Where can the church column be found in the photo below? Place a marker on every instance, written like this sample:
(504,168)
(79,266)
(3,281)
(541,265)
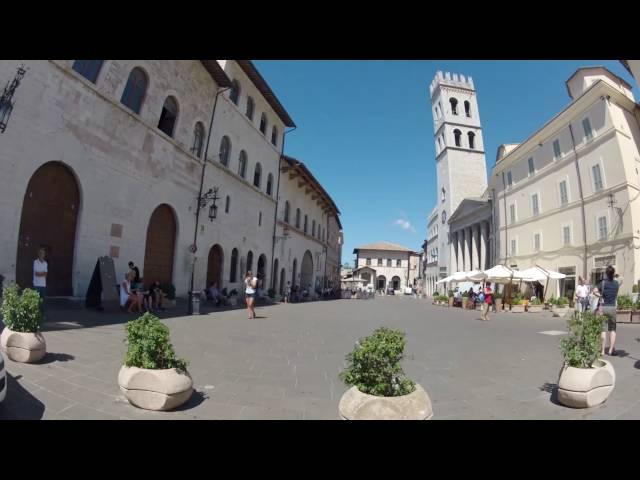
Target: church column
(460,264)
(454,252)
(483,246)
(469,263)
(478,246)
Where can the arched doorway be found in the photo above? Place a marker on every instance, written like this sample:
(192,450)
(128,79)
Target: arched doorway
(160,246)
(282,280)
(294,272)
(262,270)
(275,275)
(49,219)
(215,266)
(382,282)
(249,266)
(395,282)
(306,270)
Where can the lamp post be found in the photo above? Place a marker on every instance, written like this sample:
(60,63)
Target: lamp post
(6,99)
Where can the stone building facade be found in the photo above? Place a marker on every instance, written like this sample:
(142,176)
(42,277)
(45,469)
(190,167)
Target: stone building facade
(106,158)
(393,265)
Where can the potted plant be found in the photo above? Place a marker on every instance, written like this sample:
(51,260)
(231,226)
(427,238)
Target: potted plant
(623,310)
(465,300)
(517,304)
(152,377)
(169,291)
(559,306)
(634,293)
(435,297)
(635,313)
(497,298)
(535,306)
(585,380)
(21,338)
(450,298)
(379,388)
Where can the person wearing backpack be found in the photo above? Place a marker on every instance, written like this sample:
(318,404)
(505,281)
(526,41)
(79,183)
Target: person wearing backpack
(609,291)
(487,301)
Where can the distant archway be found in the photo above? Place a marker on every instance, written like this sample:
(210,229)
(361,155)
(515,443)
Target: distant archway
(306,270)
(283,274)
(262,270)
(160,246)
(382,282)
(215,266)
(395,281)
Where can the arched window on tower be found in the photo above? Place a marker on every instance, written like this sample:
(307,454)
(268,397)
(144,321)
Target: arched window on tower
(454,105)
(286,211)
(234,94)
(444,196)
(467,108)
(457,134)
(439,144)
(472,137)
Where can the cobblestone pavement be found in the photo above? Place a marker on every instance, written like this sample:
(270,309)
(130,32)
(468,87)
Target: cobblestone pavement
(285,364)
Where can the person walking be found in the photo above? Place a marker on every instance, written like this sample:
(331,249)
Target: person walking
(594,301)
(250,285)
(581,297)
(40,270)
(609,289)
(287,292)
(487,301)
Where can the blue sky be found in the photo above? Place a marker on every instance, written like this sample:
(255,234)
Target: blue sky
(365,129)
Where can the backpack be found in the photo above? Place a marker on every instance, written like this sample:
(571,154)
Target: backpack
(481,297)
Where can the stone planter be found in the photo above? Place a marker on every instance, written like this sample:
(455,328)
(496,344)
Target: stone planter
(451,301)
(24,347)
(355,405)
(635,316)
(498,302)
(517,308)
(155,389)
(465,301)
(586,387)
(559,311)
(623,316)
(166,303)
(534,308)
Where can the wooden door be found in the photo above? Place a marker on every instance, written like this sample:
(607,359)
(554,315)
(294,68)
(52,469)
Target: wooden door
(160,246)
(214,266)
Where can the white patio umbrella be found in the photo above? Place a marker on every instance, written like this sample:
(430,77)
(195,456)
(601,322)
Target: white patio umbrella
(538,273)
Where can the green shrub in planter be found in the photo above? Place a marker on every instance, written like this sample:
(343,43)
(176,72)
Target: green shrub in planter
(497,295)
(224,292)
(233,293)
(536,301)
(436,294)
(21,312)
(465,295)
(148,345)
(374,365)
(634,289)
(169,290)
(451,293)
(625,302)
(271,293)
(582,347)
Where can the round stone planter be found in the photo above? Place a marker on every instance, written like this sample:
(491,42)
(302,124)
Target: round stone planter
(534,308)
(517,308)
(586,387)
(24,347)
(559,311)
(155,389)
(355,405)
(498,304)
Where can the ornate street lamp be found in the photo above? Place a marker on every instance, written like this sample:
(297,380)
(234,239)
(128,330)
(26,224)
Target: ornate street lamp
(6,99)
(210,196)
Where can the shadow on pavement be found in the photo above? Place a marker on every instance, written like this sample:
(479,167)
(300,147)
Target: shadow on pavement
(19,404)
(196,399)
(551,388)
(56,357)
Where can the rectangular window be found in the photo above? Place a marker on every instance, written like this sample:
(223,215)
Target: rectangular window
(602,228)
(509,179)
(399,262)
(532,168)
(368,261)
(556,149)
(512,212)
(513,247)
(536,242)
(379,262)
(586,124)
(535,208)
(388,262)
(597,178)
(260,219)
(89,69)
(566,235)
(564,194)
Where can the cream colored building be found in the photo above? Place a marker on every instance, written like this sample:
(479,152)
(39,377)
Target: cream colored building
(105,157)
(392,265)
(633,67)
(567,198)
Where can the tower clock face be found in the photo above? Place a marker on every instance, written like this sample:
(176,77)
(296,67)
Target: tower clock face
(444,217)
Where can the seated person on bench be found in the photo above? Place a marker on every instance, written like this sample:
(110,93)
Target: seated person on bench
(213,293)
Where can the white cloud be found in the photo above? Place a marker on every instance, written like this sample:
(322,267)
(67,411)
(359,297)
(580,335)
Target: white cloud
(405,225)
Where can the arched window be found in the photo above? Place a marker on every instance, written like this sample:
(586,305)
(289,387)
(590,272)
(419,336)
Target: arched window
(439,143)
(198,140)
(467,108)
(269,184)
(89,69)
(225,150)
(456,134)
(306,223)
(286,211)
(274,136)
(234,94)
(263,124)
(257,175)
(242,164)
(437,113)
(135,90)
(260,219)
(313,228)
(227,204)
(454,105)
(472,137)
(234,265)
(444,195)
(250,108)
(297,218)
(169,116)
(249,262)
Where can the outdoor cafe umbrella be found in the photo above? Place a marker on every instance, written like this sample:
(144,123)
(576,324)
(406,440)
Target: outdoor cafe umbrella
(539,273)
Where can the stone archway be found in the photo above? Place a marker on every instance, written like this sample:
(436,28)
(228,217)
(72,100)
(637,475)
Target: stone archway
(275,276)
(261,271)
(395,282)
(160,246)
(382,282)
(283,274)
(215,266)
(49,220)
(294,272)
(306,270)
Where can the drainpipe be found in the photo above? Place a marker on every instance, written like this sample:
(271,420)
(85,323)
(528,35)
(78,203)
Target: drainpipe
(506,224)
(204,165)
(275,215)
(584,219)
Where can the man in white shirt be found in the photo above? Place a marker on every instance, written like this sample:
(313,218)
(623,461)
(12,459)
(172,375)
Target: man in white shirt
(582,296)
(40,270)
